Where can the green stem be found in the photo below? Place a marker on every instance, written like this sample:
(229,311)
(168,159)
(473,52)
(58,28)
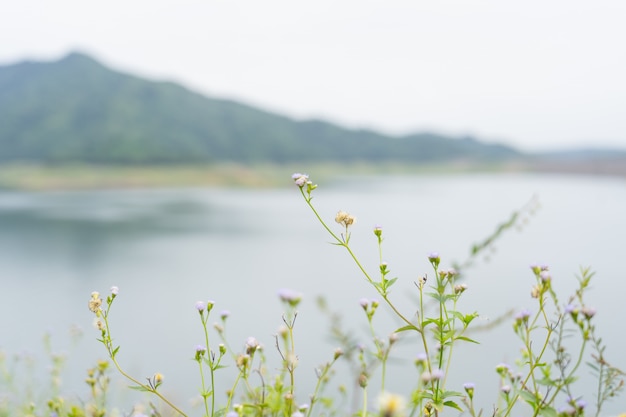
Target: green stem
(109,346)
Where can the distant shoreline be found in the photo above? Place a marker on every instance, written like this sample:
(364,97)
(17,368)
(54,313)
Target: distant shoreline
(82,176)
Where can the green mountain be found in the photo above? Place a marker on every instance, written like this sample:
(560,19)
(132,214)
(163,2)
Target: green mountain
(77,110)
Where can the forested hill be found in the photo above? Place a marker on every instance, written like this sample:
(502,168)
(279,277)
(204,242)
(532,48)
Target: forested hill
(77,110)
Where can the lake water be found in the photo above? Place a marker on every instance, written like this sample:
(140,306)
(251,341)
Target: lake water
(167,249)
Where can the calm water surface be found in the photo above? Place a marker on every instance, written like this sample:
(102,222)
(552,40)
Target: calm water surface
(166,249)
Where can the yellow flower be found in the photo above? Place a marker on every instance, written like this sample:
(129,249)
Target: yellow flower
(391,405)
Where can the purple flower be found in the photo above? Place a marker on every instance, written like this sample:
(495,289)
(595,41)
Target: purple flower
(522,315)
(200,306)
(252,344)
(300,179)
(570,308)
(290,297)
(364,302)
(589,312)
(437,374)
(224,314)
(433,256)
(114,290)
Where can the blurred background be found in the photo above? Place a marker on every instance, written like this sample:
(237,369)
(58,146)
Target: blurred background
(151,146)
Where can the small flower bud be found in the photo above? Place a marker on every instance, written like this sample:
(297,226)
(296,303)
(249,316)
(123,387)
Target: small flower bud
(338,353)
(460,288)
(535,291)
(469,388)
(434,259)
(251,345)
(290,297)
(200,351)
(363,380)
(588,312)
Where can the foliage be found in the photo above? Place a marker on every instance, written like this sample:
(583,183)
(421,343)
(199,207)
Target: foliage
(540,383)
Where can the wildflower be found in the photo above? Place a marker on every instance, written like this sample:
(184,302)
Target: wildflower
(421,281)
(243,361)
(421,359)
(426,377)
(95,303)
(391,404)
(98,324)
(283,332)
(364,302)
(363,380)
(300,179)
(344,218)
(535,291)
(224,314)
(200,351)
(252,345)
(114,291)
(545,276)
(434,259)
(200,306)
(437,374)
(290,297)
(222,348)
(589,312)
(157,379)
(505,389)
(218,327)
(338,353)
(393,338)
(460,288)
(503,369)
(522,315)
(469,388)
(378,230)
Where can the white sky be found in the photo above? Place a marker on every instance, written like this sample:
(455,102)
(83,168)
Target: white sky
(537,74)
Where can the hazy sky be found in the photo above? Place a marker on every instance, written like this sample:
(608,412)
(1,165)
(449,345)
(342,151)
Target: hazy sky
(536,74)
